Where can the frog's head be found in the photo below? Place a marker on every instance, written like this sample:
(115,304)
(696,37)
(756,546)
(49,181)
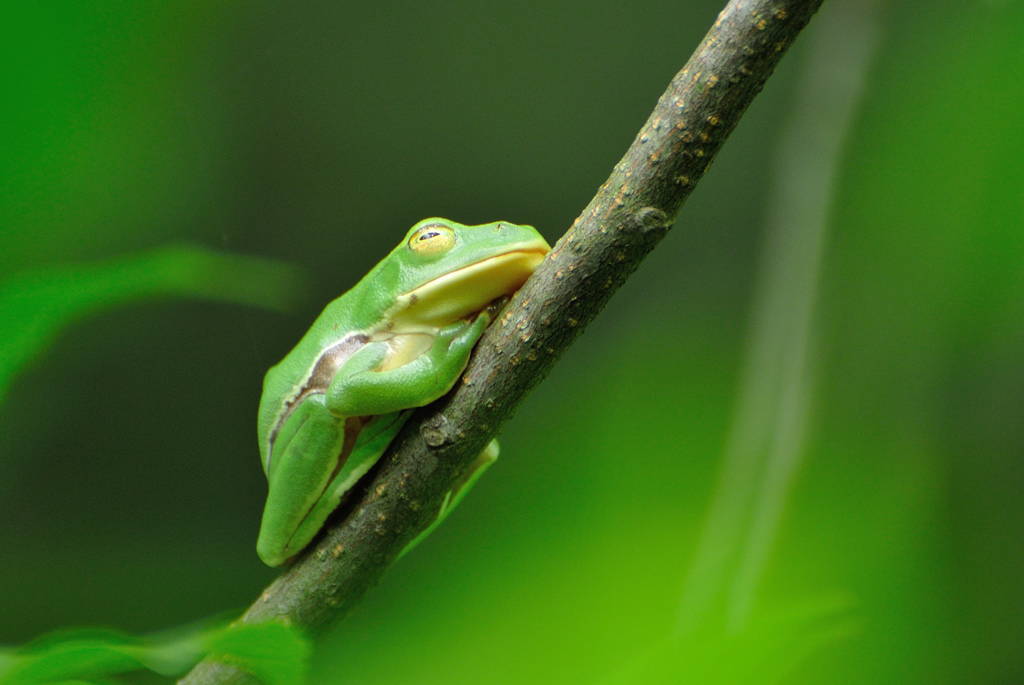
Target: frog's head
(444,271)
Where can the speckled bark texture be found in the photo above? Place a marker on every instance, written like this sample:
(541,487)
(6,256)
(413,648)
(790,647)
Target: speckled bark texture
(627,218)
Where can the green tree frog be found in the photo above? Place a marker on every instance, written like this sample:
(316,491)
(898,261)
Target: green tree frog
(397,340)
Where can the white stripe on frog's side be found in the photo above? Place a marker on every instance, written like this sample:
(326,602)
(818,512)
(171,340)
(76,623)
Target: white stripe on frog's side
(317,380)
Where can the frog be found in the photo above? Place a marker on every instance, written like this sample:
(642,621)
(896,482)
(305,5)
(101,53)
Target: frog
(397,340)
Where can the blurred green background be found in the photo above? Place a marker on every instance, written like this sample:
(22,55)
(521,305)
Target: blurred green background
(306,137)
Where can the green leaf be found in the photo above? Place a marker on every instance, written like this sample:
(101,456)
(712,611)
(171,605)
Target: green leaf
(272,652)
(36,305)
(72,655)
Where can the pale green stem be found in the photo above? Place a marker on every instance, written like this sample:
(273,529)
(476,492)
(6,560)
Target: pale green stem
(767,434)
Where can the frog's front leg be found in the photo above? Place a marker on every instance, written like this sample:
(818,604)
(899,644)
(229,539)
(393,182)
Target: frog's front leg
(459,490)
(359,389)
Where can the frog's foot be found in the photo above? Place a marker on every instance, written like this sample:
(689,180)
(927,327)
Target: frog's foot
(462,486)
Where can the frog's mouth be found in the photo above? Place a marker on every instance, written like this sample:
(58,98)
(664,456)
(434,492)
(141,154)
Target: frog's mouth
(466,291)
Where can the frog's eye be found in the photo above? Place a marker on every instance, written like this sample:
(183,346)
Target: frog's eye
(432,240)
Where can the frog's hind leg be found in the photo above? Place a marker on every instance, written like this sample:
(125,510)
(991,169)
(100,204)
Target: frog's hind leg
(462,486)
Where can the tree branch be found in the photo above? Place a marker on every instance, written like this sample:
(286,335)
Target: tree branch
(627,218)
